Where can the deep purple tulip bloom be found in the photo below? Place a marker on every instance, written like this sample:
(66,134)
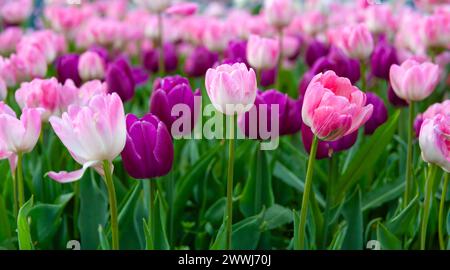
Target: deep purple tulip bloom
(171,91)
(236,52)
(151,58)
(288,119)
(383,57)
(394,99)
(120,78)
(67,68)
(140,76)
(327,149)
(315,50)
(200,60)
(379,115)
(418,124)
(268,77)
(148,151)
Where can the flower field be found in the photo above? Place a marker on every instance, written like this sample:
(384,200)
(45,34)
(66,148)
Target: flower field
(228,125)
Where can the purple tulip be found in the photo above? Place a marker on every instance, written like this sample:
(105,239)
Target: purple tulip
(151,58)
(268,77)
(148,151)
(140,76)
(394,99)
(200,60)
(120,79)
(316,50)
(379,115)
(67,68)
(327,149)
(418,124)
(171,91)
(383,57)
(102,52)
(288,120)
(236,52)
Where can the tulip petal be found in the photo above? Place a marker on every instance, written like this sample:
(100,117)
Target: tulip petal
(68,177)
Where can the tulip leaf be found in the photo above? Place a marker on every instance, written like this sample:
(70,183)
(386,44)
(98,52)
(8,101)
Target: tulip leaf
(402,223)
(353,215)
(5,228)
(258,191)
(296,217)
(386,192)
(23,227)
(158,241)
(221,238)
(366,156)
(277,216)
(387,239)
(215,213)
(104,243)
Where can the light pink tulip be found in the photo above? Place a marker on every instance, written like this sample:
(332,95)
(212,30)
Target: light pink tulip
(92,134)
(333,107)
(434,140)
(17,11)
(279,13)
(3,89)
(379,18)
(156,6)
(262,53)
(216,35)
(356,41)
(313,22)
(436,30)
(91,66)
(18,135)
(231,88)
(413,81)
(182,9)
(9,39)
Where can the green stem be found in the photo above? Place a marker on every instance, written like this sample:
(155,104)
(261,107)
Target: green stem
(76,208)
(441,213)
(170,193)
(161,45)
(305,199)
(329,200)
(363,76)
(20,184)
(151,207)
(112,204)
(258,76)
(16,203)
(408,173)
(280,59)
(427,204)
(230,183)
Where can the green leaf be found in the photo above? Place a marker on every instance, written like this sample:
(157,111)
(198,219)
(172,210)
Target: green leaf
(353,215)
(104,243)
(296,224)
(277,216)
(5,228)
(367,155)
(93,211)
(215,213)
(148,236)
(258,191)
(448,222)
(221,238)
(186,184)
(387,239)
(159,240)
(246,233)
(384,193)
(23,228)
(402,223)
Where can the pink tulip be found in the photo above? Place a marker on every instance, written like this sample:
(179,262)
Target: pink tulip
(262,53)
(9,39)
(3,89)
(92,134)
(333,107)
(17,11)
(231,88)
(434,140)
(356,41)
(379,18)
(156,6)
(216,35)
(413,81)
(432,111)
(91,66)
(18,136)
(279,13)
(183,9)
(436,30)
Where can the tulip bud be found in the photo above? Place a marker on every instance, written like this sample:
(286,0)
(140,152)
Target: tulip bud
(91,66)
(383,57)
(120,80)
(149,149)
(67,68)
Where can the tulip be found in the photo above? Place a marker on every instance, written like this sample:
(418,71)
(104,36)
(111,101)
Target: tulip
(120,80)
(383,57)
(199,61)
(316,49)
(268,77)
(232,90)
(182,9)
(216,35)
(288,110)
(18,137)
(95,135)
(394,99)
(262,53)
(413,81)
(379,115)
(16,12)
(434,141)
(327,149)
(356,41)
(9,39)
(169,92)
(151,58)
(91,66)
(332,108)
(156,6)
(436,31)
(432,111)
(3,90)
(279,13)
(67,68)
(236,52)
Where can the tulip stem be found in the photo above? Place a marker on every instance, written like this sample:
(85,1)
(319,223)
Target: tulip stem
(441,213)
(307,190)
(230,183)
(20,184)
(112,204)
(427,203)
(161,45)
(151,208)
(280,59)
(408,173)
(16,203)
